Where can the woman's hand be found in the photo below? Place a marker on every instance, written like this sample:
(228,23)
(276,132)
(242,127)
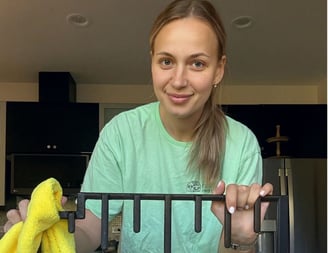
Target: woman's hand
(240,200)
(16,215)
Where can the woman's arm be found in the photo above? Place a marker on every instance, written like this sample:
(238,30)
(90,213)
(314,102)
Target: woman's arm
(222,249)
(87,233)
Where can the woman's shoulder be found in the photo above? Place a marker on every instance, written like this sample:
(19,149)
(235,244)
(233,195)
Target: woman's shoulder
(238,130)
(134,116)
(140,113)
(235,125)
(241,142)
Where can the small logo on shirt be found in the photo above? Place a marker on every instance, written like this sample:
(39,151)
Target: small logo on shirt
(194,186)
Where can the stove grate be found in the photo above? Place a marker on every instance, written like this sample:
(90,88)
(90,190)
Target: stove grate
(282,245)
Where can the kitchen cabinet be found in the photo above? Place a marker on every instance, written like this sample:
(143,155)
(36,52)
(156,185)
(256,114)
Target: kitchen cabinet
(304,125)
(65,128)
(28,170)
(48,140)
(2,152)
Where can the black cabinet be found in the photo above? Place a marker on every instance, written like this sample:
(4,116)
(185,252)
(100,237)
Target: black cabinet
(304,125)
(28,170)
(65,128)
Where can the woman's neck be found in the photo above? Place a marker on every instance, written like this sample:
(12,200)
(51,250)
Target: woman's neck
(181,129)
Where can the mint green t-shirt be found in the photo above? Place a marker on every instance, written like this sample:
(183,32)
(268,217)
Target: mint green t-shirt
(135,154)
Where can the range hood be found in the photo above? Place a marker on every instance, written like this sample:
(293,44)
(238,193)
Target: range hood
(57,87)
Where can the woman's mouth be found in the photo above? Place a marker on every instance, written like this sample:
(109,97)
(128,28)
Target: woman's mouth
(179,98)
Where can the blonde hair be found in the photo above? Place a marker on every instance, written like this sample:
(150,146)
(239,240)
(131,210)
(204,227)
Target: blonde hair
(207,150)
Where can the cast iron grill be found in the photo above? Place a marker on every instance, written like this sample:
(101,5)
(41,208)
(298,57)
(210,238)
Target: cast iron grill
(281,211)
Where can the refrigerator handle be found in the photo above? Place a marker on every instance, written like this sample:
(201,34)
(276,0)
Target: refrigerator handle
(289,176)
(282,177)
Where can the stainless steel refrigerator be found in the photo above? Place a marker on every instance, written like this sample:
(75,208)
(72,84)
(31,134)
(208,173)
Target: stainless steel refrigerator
(305,183)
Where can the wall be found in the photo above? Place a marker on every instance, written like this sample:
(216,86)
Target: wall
(230,94)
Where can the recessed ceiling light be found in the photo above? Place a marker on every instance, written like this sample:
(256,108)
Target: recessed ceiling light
(77,19)
(242,22)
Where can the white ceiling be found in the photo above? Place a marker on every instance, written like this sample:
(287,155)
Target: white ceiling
(286,44)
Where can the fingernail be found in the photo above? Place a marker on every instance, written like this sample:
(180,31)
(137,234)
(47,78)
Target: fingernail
(219,183)
(231,210)
(262,193)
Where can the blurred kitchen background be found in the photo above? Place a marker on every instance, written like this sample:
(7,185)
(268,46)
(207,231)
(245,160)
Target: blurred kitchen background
(66,68)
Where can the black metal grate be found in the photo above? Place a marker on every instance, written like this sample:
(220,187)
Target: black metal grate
(282,245)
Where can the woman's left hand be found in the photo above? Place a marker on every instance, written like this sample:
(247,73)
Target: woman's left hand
(240,200)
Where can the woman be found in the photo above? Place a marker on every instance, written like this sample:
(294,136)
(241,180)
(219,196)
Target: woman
(181,144)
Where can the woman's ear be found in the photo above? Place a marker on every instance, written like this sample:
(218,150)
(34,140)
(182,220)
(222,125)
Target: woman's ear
(220,70)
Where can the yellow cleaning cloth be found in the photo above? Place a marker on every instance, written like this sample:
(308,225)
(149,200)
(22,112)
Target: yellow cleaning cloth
(42,225)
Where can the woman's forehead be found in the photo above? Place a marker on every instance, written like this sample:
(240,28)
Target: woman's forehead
(187,33)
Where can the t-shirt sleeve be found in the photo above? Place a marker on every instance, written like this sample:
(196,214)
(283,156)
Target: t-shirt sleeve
(243,161)
(104,172)
(250,168)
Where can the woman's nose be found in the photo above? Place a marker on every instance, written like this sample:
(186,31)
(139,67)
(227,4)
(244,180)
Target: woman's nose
(179,79)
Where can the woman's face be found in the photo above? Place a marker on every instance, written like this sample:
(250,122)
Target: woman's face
(185,67)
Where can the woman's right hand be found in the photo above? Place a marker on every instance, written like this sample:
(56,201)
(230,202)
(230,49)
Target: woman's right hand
(16,215)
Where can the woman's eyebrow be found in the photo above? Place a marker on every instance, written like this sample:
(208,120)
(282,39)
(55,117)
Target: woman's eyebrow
(199,54)
(191,56)
(164,53)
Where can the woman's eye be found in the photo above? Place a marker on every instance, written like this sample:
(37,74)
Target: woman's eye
(198,64)
(166,62)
